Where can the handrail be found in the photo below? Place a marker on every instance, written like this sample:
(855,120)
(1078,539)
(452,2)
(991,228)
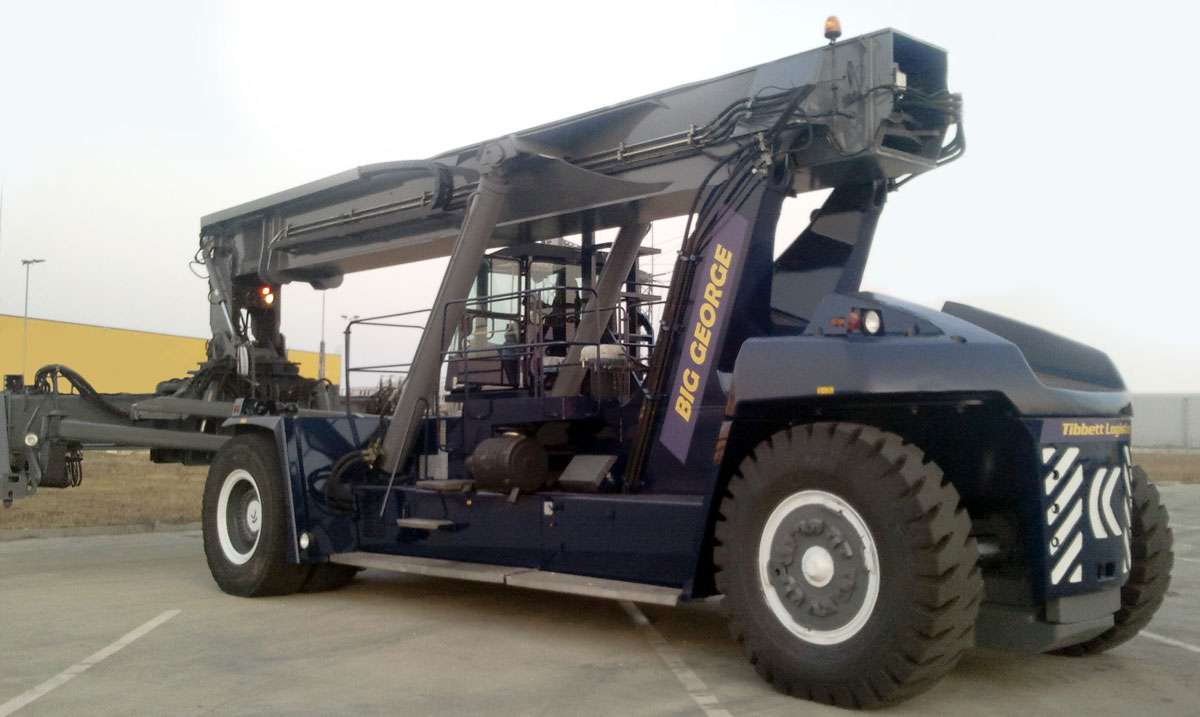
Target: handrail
(530,355)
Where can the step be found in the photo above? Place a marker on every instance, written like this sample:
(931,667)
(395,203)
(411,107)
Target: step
(586,472)
(594,587)
(424,523)
(513,576)
(426,566)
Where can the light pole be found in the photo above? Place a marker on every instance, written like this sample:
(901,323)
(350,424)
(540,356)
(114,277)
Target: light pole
(25,328)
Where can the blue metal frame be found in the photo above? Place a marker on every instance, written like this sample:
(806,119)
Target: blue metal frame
(655,531)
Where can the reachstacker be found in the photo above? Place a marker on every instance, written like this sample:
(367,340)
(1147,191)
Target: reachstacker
(871,485)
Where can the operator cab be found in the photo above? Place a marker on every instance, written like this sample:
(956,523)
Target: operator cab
(519,324)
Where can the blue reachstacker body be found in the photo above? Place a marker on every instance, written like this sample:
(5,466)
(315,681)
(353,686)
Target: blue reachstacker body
(872,486)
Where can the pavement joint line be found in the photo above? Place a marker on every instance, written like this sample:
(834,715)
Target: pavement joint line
(83,665)
(1187,560)
(1170,641)
(1175,526)
(699,692)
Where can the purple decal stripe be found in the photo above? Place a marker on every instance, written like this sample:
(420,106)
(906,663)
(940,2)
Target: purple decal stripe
(713,291)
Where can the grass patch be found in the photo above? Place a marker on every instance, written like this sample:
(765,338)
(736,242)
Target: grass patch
(119,488)
(1165,467)
(125,488)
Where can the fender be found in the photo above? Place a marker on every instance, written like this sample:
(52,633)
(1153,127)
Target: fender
(308,446)
(274,425)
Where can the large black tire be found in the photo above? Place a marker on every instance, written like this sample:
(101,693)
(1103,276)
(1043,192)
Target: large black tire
(245,521)
(846,565)
(1151,560)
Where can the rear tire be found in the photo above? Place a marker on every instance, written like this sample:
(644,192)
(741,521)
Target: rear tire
(846,565)
(244,518)
(1150,543)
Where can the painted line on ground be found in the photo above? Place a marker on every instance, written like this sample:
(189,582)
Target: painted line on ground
(1170,641)
(1187,560)
(1175,526)
(82,666)
(699,692)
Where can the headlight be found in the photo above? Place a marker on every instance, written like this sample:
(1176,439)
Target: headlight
(872,322)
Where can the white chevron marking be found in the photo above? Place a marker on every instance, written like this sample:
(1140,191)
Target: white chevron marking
(1061,468)
(1060,568)
(1110,485)
(1064,497)
(1068,525)
(1094,505)
(1127,507)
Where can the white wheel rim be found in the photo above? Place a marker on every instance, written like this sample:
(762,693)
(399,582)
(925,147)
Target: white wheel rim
(816,565)
(239,516)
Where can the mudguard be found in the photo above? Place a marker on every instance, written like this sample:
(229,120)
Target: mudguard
(274,426)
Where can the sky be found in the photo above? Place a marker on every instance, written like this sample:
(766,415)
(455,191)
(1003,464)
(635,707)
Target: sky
(122,123)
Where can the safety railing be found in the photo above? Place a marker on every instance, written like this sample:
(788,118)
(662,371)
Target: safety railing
(398,369)
(522,349)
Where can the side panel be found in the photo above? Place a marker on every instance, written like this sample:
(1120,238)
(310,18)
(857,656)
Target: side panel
(481,527)
(639,538)
(645,538)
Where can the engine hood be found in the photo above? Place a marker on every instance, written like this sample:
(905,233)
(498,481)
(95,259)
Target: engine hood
(920,350)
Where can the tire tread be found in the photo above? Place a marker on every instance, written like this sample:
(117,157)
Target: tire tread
(1151,542)
(268,572)
(942,619)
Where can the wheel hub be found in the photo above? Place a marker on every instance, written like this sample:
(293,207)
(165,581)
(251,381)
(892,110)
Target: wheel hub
(254,516)
(239,516)
(819,567)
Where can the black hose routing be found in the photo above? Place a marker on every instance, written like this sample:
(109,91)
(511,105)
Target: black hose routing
(45,382)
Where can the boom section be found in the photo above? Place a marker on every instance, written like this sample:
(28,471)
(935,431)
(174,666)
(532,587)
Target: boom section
(871,107)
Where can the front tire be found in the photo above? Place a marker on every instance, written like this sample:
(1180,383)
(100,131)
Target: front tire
(244,518)
(1151,558)
(846,565)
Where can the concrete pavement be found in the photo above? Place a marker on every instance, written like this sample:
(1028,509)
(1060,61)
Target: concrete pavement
(390,644)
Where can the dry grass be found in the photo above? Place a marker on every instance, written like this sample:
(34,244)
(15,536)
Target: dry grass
(119,488)
(1166,468)
(125,488)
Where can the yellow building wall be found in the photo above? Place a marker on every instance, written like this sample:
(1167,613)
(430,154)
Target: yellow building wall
(118,360)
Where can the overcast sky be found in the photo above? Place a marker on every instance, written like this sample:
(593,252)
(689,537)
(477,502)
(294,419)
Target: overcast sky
(121,123)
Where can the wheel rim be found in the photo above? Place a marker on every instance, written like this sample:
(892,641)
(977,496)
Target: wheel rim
(239,516)
(818,567)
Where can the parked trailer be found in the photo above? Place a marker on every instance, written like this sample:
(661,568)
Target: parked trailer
(871,485)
